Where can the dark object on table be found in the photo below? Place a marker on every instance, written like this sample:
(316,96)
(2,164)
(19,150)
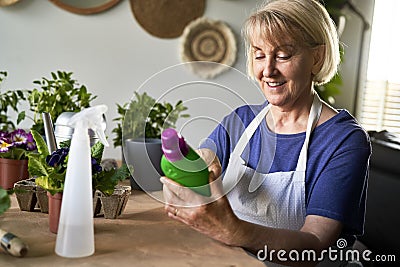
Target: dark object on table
(382,231)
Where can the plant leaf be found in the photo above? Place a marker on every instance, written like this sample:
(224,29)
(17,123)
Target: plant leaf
(40,143)
(97,151)
(19,153)
(21,117)
(107,180)
(46,183)
(35,166)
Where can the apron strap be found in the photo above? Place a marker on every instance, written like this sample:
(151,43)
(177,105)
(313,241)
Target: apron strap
(231,178)
(313,118)
(251,128)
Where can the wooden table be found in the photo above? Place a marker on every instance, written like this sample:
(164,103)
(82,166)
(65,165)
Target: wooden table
(142,236)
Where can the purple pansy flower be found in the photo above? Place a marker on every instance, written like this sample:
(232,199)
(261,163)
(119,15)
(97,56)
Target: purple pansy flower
(30,142)
(3,134)
(5,145)
(95,166)
(57,157)
(19,137)
(16,144)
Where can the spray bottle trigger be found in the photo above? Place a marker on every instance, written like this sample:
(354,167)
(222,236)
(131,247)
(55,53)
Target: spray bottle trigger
(102,137)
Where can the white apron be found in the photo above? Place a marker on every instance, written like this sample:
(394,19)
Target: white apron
(274,199)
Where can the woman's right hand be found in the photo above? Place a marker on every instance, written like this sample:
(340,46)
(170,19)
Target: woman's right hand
(211,160)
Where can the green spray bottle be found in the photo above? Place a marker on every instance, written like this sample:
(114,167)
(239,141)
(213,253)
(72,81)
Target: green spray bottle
(182,164)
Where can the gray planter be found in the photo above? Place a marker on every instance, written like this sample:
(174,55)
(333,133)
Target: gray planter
(144,157)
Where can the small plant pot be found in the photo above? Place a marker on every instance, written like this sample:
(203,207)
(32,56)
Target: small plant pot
(12,171)
(114,205)
(25,191)
(97,210)
(54,211)
(43,200)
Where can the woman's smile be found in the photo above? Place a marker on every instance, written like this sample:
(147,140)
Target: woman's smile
(275,84)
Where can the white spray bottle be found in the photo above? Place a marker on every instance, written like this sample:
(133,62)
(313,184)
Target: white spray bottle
(75,236)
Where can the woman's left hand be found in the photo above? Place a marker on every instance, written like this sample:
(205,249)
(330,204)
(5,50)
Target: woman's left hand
(212,216)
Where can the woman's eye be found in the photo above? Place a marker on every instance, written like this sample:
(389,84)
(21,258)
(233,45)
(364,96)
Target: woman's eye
(282,57)
(258,55)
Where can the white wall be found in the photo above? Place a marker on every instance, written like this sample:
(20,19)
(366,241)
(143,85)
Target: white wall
(112,55)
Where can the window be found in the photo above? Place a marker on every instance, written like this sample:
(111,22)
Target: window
(380,108)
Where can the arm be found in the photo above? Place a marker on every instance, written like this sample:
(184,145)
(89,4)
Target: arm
(317,234)
(215,218)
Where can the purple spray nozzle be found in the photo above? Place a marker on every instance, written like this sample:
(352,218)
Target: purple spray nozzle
(173,146)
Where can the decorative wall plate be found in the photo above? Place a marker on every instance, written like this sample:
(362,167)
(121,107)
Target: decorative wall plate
(206,40)
(7,2)
(85,7)
(166,18)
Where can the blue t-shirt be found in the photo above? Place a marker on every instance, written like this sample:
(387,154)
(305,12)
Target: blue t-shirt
(337,164)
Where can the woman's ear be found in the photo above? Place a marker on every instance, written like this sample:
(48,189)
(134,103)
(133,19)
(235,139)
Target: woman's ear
(319,57)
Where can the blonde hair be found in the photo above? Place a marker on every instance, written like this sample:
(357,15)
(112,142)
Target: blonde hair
(304,21)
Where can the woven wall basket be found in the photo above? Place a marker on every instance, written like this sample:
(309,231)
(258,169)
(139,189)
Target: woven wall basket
(166,18)
(7,2)
(206,40)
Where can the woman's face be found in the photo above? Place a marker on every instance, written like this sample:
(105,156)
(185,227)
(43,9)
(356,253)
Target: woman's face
(284,71)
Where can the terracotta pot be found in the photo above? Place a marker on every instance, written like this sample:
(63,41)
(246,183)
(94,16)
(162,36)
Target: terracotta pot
(54,211)
(12,171)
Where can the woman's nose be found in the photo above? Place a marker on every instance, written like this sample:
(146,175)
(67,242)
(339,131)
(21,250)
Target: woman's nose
(269,67)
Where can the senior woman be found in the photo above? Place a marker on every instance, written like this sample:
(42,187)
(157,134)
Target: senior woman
(294,169)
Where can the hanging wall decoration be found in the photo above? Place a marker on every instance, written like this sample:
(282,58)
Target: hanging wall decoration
(7,2)
(166,18)
(86,7)
(205,40)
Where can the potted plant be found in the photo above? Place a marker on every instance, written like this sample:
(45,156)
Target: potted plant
(50,170)
(15,144)
(58,94)
(10,99)
(15,147)
(139,128)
